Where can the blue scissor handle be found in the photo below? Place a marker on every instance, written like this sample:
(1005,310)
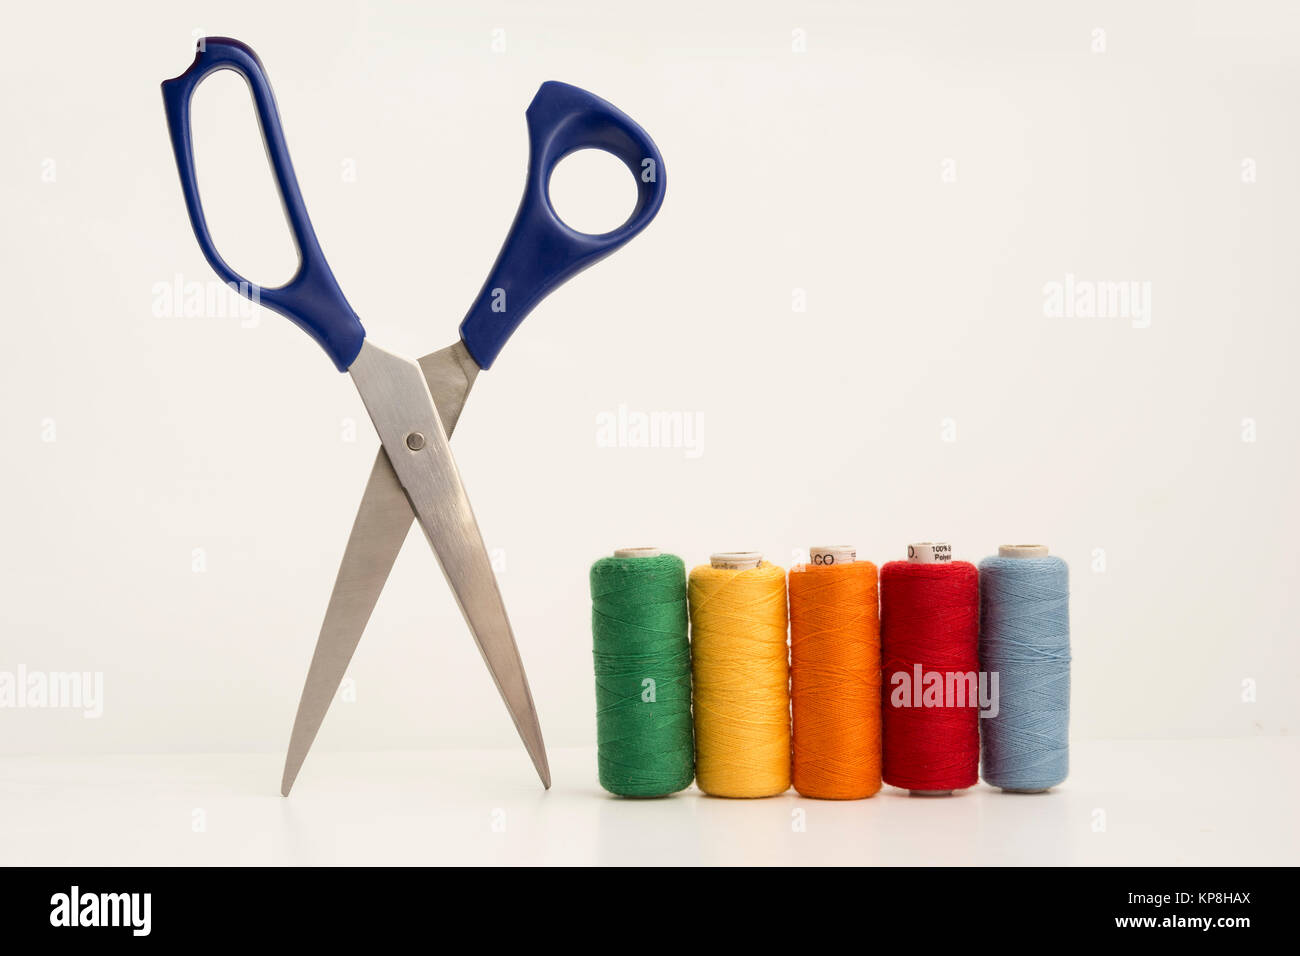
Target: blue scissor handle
(312,299)
(541,252)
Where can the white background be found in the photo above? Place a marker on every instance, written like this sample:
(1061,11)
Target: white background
(823,171)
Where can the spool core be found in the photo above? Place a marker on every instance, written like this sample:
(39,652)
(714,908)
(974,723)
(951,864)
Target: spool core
(637,553)
(830,554)
(1023,551)
(736,560)
(929,552)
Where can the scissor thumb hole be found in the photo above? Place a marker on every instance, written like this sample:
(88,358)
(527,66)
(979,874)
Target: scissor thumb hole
(593,191)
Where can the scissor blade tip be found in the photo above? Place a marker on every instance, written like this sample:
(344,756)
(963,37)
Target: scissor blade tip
(543,768)
(288,780)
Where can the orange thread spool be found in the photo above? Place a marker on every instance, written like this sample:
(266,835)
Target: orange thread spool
(835,675)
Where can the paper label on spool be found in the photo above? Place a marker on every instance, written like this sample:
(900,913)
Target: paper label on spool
(930,552)
(736,560)
(829,554)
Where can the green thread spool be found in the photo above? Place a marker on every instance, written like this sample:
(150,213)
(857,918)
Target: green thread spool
(645,737)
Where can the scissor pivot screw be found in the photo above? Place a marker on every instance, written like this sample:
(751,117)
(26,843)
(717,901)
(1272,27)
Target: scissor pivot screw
(415,441)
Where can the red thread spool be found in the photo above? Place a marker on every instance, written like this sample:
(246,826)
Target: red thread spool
(930,626)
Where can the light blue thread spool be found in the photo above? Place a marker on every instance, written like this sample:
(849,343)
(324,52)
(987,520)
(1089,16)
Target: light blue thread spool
(1025,639)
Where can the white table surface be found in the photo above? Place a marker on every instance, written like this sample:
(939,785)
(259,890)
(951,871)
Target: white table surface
(1164,802)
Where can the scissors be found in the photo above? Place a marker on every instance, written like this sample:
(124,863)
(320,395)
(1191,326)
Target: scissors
(414,406)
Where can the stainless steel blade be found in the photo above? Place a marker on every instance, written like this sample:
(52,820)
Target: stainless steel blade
(378,532)
(380,528)
(450,374)
(402,410)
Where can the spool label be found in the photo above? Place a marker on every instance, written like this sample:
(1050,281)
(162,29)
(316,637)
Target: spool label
(832,556)
(930,552)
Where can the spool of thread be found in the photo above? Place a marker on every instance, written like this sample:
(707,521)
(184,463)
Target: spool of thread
(1025,639)
(740,665)
(645,746)
(929,606)
(835,675)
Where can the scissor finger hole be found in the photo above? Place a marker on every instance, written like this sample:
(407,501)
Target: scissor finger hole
(241,201)
(592,191)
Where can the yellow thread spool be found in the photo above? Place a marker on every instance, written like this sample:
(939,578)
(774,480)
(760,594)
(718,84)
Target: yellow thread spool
(741,676)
